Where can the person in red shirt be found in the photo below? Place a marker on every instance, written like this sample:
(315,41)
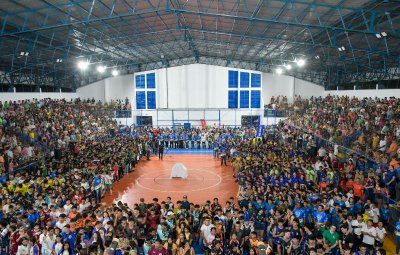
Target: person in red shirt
(153,219)
(158,249)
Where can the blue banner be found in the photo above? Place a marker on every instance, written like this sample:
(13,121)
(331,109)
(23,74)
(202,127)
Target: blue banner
(260,130)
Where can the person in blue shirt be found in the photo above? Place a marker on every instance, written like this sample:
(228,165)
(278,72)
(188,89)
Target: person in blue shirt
(299,213)
(32,216)
(397,234)
(68,237)
(320,217)
(98,188)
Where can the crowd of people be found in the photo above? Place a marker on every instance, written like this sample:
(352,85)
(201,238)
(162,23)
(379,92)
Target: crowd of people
(370,126)
(292,200)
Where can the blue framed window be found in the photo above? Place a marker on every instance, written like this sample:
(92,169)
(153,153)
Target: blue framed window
(151,80)
(255,99)
(244,99)
(232,79)
(255,80)
(233,99)
(140,82)
(244,79)
(140,100)
(151,100)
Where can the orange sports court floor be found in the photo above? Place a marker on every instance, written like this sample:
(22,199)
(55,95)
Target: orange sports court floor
(206,180)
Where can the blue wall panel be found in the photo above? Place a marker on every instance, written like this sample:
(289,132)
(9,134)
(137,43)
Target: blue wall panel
(256,99)
(244,79)
(140,83)
(244,99)
(140,100)
(151,100)
(151,80)
(232,99)
(255,80)
(232,79)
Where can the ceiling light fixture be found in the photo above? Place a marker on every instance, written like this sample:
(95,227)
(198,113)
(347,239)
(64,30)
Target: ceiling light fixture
(115,72)
(301,62)
(288,66)
(342,48)
(101,69)
(317,57)
(279,70)
(83,65)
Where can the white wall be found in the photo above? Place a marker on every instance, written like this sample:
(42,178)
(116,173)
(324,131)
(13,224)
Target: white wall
(119,87)
(197,86)
(381,93)
(192,86)
(276,85)
(95,90)
(37,95)
(307,89)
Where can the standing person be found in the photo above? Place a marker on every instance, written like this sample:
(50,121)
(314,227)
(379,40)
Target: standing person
(223,155)
(206,233)
(161,152)
(98,188)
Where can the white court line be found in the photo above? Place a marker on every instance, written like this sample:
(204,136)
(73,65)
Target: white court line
(197,179)
(185,191)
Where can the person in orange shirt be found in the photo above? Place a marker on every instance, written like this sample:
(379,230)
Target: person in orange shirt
(393,148)
(394,163)
(358,188)
(323,185)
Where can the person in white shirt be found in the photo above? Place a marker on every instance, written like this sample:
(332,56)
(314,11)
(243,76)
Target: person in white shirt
(369,234)
(380,235)
(62,221)
(373,213)
(47,239)
(321,152)
(358,225)
(206,230)
(23,248)
(67,207)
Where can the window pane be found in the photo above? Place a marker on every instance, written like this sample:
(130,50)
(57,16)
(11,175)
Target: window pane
(140,100)
(244,79)
(256,99)
(151,80)
(140,81)
(244,99)
(232,79)
(232,99)
(151,100)
(255,80)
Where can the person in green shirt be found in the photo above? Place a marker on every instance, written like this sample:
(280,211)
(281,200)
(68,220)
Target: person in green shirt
(331,236)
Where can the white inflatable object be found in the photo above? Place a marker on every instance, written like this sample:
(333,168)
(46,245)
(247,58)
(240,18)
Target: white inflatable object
(179,171)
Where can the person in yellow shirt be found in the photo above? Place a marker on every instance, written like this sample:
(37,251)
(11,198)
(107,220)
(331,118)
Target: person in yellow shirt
(25,187)
(375,141)
(19,189)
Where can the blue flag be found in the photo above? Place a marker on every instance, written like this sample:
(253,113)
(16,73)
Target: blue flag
(260,130)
